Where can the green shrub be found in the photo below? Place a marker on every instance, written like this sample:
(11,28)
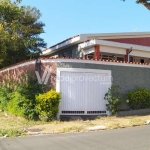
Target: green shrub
(48,105)
(29,92)
(14,104)
(20,99)
(113,98)
(139,99)
(4,98)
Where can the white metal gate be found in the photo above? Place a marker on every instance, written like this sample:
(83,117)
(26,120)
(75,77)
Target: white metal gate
(83,90)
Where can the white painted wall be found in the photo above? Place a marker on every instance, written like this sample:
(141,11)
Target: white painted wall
(89,51)
(140,53)
(115,50)
(106,49)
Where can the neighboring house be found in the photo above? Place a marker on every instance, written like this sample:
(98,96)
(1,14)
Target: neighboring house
(87,65)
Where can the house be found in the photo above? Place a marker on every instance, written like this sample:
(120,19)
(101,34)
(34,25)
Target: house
(85,66)
(123,56)
(128,47)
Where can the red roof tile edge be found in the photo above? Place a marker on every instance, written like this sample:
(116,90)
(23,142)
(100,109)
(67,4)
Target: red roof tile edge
(65,58)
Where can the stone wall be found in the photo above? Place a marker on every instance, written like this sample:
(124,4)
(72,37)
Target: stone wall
(18,71)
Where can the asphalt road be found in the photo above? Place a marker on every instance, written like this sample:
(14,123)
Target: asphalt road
(136,138)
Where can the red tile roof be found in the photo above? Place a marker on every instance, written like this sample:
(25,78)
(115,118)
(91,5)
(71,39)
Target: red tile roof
(137,41)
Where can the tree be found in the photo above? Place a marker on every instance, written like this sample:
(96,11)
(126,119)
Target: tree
(20,31)
(146,3)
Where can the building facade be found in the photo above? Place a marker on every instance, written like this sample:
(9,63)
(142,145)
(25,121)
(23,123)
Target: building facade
(128,47)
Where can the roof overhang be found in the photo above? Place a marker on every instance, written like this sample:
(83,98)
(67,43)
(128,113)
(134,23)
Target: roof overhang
(94,42)
(118,35)
(64,44)
(84,37)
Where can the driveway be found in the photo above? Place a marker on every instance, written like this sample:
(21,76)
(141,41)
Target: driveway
(135,138)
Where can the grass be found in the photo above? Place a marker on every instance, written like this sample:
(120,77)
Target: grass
(11,132)
(14,126)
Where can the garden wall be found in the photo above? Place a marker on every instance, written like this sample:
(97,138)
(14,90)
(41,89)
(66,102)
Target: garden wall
(17,72)
(127,76)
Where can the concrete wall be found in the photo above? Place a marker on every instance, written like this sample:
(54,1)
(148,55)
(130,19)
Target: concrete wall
(134,112)
(128,78)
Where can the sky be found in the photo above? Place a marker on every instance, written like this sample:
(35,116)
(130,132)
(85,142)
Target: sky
(66,18)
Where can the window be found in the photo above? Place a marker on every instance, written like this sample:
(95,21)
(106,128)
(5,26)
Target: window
(120,58)
(104,57)
(90,56)
(142,60)
(112,57)
(108,57)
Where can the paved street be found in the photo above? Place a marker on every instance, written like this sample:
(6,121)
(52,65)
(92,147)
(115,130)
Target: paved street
(136,138)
